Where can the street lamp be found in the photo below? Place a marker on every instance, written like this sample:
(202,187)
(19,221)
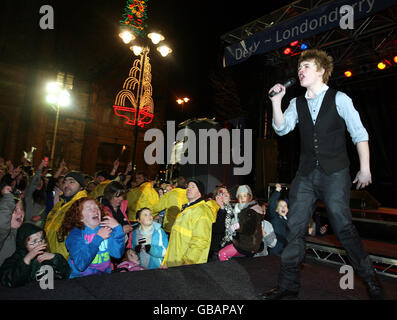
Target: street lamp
(142,77)
(182,101)
(58,98)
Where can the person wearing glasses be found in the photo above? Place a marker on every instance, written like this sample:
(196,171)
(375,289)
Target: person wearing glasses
(31,254)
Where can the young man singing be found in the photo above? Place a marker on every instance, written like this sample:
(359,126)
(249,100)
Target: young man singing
(323,115)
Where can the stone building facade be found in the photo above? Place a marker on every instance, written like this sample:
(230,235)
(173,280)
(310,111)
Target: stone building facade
(89,136)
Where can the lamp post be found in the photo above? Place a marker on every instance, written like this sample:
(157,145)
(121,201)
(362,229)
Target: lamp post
(182,101)
(143,77)
(58,98)
(143,57)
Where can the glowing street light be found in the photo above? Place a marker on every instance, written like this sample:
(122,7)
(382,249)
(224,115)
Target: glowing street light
(182,101)
(155,37)
(164,50)
(137,50)
(126,36)
(60,98)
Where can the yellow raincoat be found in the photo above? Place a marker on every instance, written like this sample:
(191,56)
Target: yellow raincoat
(171,202)
(140,197)
(190,237)
(99,189)
(214,209)
(54,222)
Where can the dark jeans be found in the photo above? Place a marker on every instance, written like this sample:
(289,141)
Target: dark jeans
(334,191)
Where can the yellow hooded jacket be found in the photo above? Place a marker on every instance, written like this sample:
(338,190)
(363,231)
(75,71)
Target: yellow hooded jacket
(140,197)
(171,202)
(190,237)
(214,206)
(99,189)
(54,222)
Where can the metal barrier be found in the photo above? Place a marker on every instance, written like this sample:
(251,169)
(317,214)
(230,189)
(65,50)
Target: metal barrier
(383,265)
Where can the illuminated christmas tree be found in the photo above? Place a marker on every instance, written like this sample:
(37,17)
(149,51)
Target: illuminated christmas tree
(134,16)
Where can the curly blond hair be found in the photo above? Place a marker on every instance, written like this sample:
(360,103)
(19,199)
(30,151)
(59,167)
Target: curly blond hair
(74,216)
(321,59)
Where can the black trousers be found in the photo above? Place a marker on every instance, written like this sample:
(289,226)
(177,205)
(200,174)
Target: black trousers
(334,191)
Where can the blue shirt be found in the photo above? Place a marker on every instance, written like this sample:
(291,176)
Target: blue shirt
(90,254)
(344,107)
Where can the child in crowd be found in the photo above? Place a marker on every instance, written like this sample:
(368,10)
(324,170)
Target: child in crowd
(269,236)
(248,239)
(130,262)
(277,216)
(149,240)
(12,213)
(25,264)
(92,238)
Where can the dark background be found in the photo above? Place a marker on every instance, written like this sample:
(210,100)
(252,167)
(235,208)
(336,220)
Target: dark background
(87,44)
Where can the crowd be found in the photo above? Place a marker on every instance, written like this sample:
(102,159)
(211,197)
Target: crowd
(116,222)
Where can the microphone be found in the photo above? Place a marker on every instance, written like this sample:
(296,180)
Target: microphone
(289,83)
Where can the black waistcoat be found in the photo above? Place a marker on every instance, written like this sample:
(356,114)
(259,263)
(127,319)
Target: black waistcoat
(324,143)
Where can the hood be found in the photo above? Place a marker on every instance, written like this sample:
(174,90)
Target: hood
(156,225)
(24,231)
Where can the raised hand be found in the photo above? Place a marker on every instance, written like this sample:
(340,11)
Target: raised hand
(109,222)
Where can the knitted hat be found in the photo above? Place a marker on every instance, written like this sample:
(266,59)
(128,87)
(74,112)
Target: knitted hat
(76,175)
(199,185)
(244,189)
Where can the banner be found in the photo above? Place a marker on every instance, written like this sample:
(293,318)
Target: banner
(303,26)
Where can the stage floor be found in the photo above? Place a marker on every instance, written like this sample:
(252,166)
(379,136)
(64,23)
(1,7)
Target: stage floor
(237,279)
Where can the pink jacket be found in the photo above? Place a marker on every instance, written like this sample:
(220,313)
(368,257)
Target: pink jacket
(123,209)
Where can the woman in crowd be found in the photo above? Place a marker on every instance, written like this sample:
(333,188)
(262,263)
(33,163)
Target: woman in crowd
(115,205)
(12,214)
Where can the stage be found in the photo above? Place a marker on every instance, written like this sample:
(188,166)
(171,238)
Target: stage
(237,279)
